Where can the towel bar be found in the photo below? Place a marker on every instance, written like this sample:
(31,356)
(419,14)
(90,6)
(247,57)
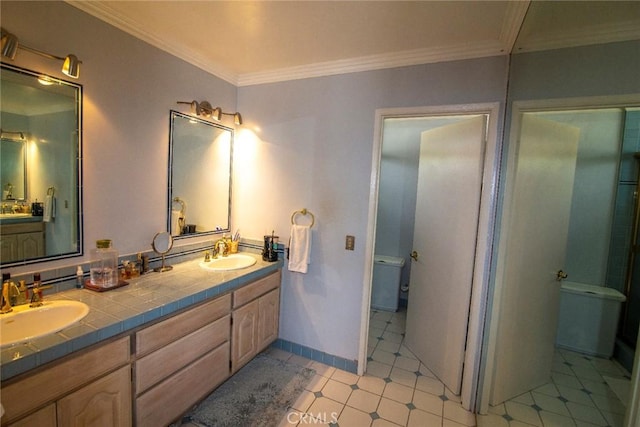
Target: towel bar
(303,211)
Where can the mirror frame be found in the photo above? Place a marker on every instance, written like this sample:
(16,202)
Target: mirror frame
(79,226)
(173,114)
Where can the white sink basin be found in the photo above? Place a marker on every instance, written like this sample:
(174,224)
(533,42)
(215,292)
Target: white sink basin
(25,323)
(231,262)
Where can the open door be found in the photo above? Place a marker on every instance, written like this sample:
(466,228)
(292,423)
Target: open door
(535,242)
(445,235)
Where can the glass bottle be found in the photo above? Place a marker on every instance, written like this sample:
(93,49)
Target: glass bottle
(104,265)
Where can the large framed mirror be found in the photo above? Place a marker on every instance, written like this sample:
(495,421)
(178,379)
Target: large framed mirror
(41,121)
(200,159)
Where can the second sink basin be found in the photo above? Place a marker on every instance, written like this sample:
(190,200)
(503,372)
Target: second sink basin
(25,323)
(231,262)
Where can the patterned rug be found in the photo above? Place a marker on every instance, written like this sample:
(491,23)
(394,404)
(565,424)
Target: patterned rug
(259,395)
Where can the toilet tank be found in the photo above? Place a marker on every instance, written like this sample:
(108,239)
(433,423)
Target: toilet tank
(385,292)
(588,318)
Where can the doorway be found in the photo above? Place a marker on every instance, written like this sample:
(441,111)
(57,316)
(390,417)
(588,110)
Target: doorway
(391,222)
(583,246)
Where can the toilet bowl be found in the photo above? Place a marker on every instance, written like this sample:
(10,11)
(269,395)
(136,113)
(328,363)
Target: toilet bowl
(588,318)
(385,293)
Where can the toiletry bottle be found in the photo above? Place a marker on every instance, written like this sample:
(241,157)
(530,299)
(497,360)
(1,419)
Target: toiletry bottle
(79,278)
(36,286)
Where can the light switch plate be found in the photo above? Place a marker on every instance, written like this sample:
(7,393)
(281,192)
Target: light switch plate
(351,242)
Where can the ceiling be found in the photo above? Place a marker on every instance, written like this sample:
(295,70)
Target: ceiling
(252,42)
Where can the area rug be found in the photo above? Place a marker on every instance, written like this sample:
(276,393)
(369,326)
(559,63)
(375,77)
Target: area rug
(258,395)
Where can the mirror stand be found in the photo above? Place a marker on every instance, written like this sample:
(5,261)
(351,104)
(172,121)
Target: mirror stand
(162,244)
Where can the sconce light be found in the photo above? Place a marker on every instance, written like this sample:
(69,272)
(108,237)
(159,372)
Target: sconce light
(204,108)
(10,45)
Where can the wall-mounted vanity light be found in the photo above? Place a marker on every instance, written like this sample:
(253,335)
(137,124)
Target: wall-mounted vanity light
(10,45)
(204,108)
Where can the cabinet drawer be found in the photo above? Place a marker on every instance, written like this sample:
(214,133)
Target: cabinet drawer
(169,330)
(254,290)
(160,364)
(22,397)
(175,395)
(45,417)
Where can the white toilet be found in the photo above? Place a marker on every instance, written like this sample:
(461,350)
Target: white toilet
(588,318)
(385,293)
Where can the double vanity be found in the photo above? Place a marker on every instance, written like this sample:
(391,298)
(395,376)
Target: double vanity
(147,352)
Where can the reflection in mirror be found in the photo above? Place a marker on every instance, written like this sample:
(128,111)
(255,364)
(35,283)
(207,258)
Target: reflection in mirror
(13,167)
(40,179)
(199,176)
(162,244)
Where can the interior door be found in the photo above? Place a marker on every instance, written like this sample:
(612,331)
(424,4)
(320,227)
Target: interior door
(446,222)
(534,251)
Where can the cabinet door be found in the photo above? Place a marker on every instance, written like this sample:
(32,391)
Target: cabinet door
(30,245)
(9,247)
(104,402)
(244,335)
(268,315)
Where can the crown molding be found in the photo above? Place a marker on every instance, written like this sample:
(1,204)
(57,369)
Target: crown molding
(375,62)
(597,34)
(107,14)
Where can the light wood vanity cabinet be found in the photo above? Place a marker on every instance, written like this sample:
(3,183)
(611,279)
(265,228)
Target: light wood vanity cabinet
(154,375)
(180,361)
(21,241)
(93,388)
(255,317)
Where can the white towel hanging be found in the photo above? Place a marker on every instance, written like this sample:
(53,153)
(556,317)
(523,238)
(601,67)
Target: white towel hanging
(300,248)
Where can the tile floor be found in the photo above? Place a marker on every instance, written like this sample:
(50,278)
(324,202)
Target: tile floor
(396,391)
(577,396)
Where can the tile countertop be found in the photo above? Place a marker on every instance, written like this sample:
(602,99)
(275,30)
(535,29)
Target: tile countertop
(111,313)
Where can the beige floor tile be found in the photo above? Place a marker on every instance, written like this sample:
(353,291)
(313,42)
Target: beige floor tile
(337,391)
(345,377)
(398,392)
(378,369)
(407,364)
(430,385)
(418,418)
(364,401)
(428,402)
(290,419)
(353,417)
(455,412)
(383,357)
(372,384)
(523,413)
(451,423)
(393,411)
(325,409)
(303,401)
(556,420)
(316,383)
(391,347)
(393,337)
(381,422)
(492,420)
(403,377)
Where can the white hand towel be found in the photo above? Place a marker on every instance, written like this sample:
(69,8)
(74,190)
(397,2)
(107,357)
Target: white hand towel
(300,248)
(49,208)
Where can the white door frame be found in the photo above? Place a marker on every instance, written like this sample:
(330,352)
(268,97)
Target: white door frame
(486,224)
(493,320)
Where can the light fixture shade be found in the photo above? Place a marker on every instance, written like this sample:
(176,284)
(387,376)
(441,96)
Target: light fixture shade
(9,45)
(217,112)
(237,119)
(71,66)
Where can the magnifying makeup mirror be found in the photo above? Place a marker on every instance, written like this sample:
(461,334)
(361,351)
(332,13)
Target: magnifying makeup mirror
(162,244)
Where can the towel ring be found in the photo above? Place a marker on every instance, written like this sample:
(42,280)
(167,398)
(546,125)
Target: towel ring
(303,211)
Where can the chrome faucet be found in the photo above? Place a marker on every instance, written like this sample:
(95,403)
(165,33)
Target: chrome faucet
(36,296)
